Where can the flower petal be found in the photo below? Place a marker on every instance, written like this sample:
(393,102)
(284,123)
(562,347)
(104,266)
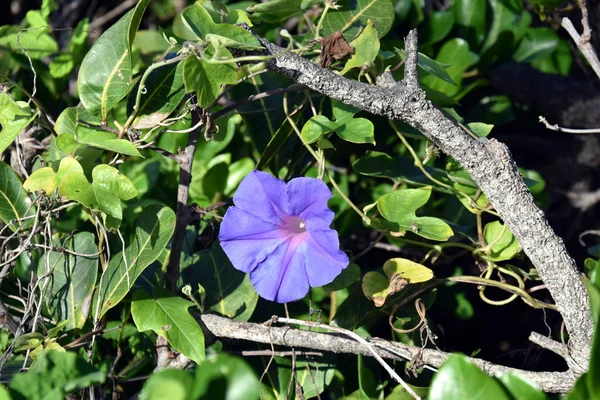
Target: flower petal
(282,276)
(263,196)
(324,260)
(308,200)
(247,240)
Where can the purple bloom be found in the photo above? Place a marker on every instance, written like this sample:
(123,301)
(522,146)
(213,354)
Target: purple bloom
(280,234)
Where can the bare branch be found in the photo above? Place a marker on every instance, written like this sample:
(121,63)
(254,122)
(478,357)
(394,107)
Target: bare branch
(225,328)
(583,44)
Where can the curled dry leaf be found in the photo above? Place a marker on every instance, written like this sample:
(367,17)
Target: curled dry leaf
(334,47)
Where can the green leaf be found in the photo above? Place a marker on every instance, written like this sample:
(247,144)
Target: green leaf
(167,315)
(480,129)
(68,120)
(411,271)
(399,209)
(353,14)
(592,384)
(163,92)
(61,66)
(505,244)
(431,67)
(14,117)
(47,7)
(378,164)
(53,375)
(356,130)
(353,130)
(105,140)
(205,79)
(73,275)
(456,53)
(274,11)
(496,110)
(169,384)
(375,287)
(316,127)
(314,377)
(238,171)
(229,292)
(199,21)
(458,379)
(434,68)
(277,141)
(223,376)
(28,341)
(509,22)
(366,48)
(46,180)
(580,390)
(215,180)
(74,136)
(521,387)
(152,233)
(469,17)
(105,193)
(537,43)
(458,174)
(349,275)
(106,73)
(436,27)
(400,273)
(41,179)
(35,40)
(14,202)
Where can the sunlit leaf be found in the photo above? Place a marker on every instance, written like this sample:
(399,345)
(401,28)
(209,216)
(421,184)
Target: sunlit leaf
(504,245)
(366,47)
(106,73)
(14,117)
(167,315)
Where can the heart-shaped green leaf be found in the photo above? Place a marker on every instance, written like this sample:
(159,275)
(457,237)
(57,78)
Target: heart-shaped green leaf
(167,315)
(400,273)
(399,209)
(105,193)
(505,245)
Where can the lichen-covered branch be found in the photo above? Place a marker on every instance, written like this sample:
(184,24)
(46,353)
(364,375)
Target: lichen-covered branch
(225,328)
(490,164)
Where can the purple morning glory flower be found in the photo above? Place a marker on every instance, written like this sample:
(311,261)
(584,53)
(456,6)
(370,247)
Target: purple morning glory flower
(279,233)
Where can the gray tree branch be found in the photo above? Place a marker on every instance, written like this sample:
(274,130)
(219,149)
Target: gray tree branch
(225,328)
(489,163)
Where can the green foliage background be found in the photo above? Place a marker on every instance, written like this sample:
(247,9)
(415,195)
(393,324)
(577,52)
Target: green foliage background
(89,219)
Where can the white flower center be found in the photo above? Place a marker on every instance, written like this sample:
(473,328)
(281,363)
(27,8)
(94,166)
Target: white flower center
(294,225)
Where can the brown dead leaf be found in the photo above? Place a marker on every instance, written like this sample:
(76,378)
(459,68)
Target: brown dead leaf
(397,283)
(334,47)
